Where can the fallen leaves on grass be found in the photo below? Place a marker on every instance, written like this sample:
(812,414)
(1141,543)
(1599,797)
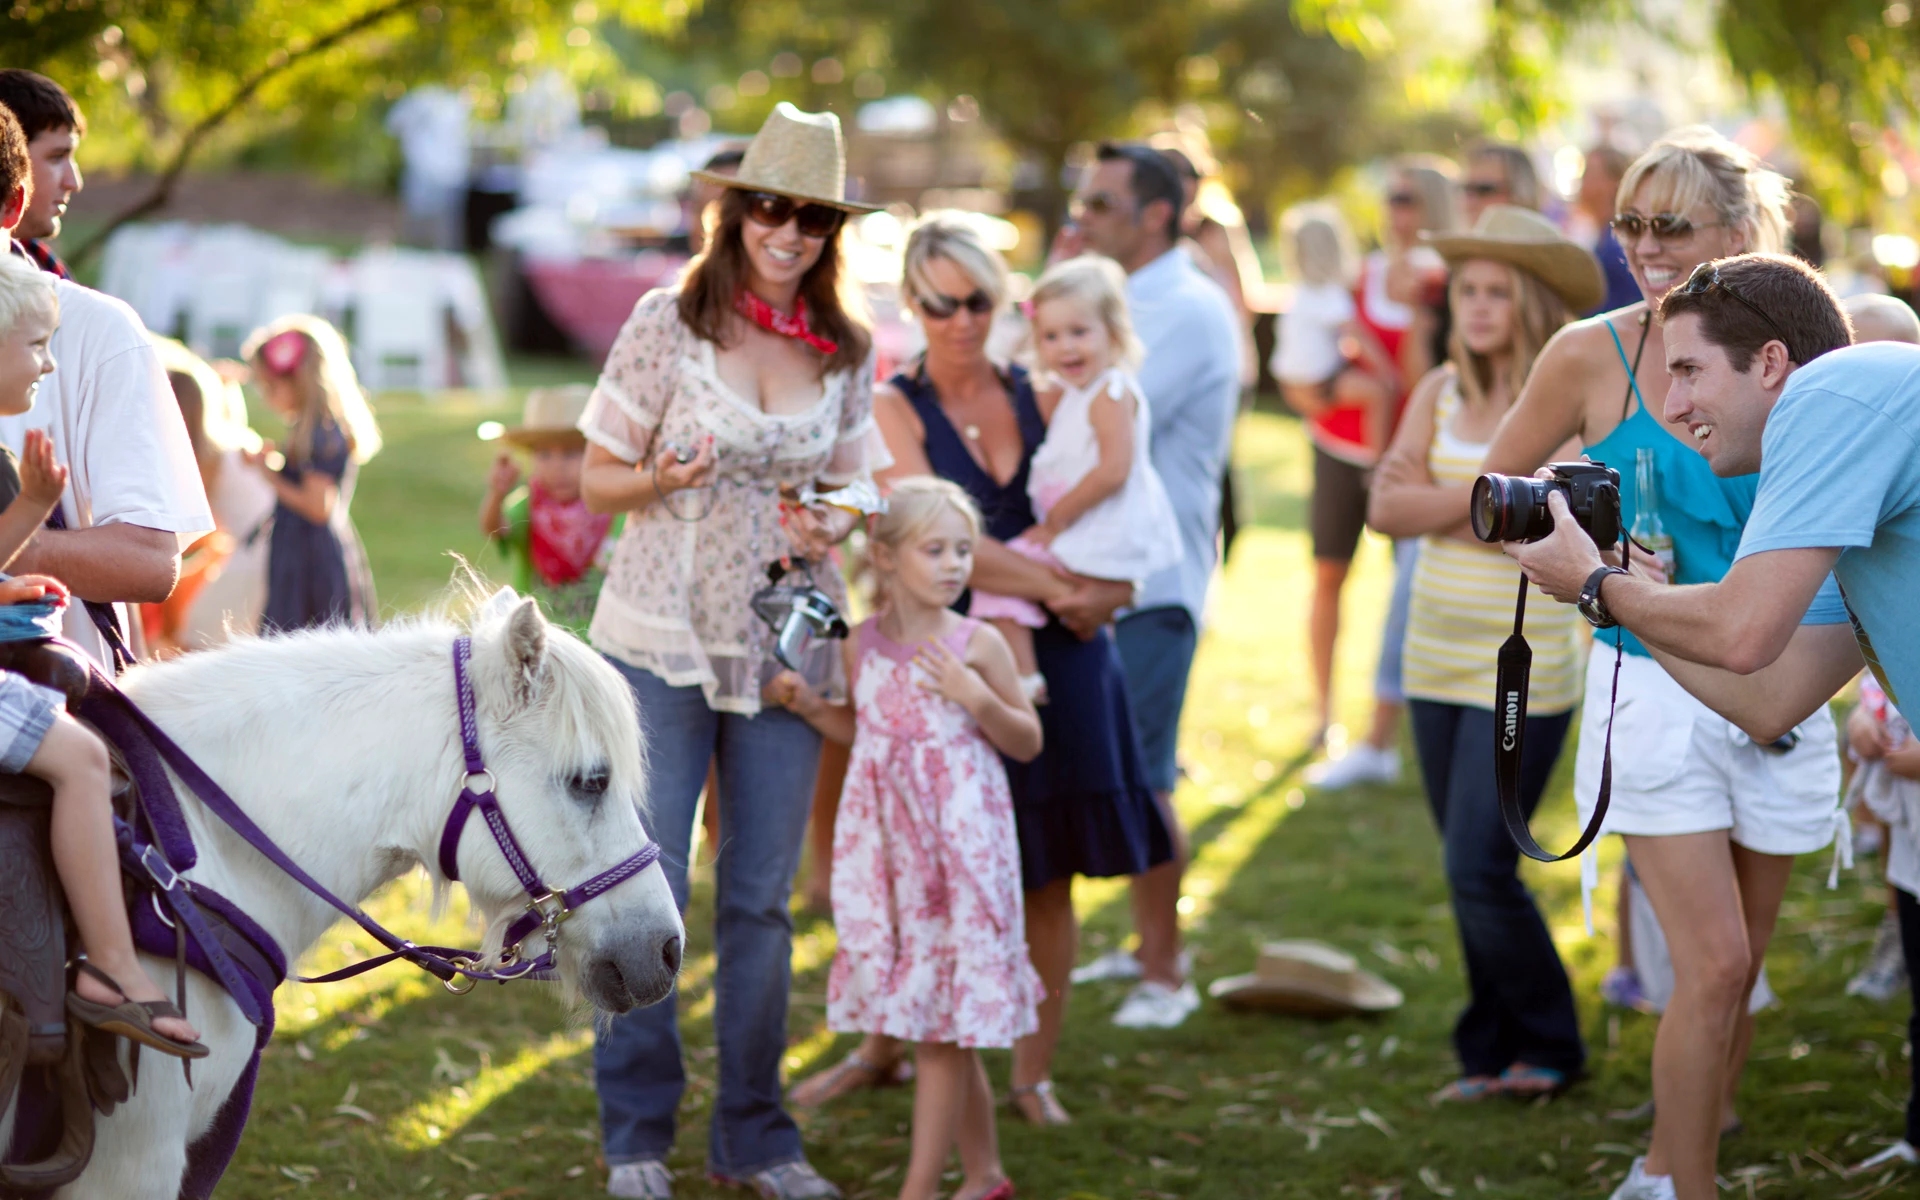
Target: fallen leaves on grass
(1431,1179)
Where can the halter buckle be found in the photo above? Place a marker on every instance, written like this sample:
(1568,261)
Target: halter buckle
(460,985)
(553,910)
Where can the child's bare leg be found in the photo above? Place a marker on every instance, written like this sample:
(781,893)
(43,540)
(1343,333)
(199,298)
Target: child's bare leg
(940,1092)
(979,1140)
(74,761)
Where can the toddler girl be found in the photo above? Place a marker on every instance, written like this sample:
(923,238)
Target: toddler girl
(926,866)
(111,990)
(556,545)
(316,571)
(1101,509)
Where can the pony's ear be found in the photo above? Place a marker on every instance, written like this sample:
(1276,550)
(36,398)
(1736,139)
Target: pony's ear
(526,645)
(498,605)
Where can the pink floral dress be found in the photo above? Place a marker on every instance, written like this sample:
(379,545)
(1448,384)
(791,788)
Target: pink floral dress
(926,868)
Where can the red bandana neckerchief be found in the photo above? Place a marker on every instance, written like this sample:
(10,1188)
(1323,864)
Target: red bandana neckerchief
(562,536)
(754,309)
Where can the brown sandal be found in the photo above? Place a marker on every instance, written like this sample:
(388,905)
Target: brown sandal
(131,1019)
(817,1091)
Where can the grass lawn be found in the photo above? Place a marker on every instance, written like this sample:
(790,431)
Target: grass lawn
(388,1086)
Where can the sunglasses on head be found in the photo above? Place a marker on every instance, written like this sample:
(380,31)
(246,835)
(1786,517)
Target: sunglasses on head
(940,306)
(1706,278)
(773,210)
(1668,227)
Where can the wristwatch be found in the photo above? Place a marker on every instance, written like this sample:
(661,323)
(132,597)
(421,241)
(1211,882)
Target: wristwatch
(1590,605)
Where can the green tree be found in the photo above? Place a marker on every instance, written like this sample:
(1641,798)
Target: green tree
(169,83)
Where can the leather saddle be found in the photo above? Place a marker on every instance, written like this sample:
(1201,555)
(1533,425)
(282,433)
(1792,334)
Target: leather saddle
(55,1059)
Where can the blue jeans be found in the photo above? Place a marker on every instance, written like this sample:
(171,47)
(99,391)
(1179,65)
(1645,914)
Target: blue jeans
(767,767)
(1393,637)
(1520,1005)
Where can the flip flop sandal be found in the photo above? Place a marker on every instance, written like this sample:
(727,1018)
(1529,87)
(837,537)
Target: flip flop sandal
(830,1082)
(999,1191)
(1523,1082)
(1466,1090)
(131,1019)
(1052,1112)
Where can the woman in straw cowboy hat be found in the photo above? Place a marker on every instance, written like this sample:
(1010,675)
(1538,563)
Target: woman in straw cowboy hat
(753,375)
(554,544)
(1712,821)
(1516,280)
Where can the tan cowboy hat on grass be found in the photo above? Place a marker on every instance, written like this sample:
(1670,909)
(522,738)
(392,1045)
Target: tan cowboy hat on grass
(797,154)
(1307,979)
(1523,238)
(550,417)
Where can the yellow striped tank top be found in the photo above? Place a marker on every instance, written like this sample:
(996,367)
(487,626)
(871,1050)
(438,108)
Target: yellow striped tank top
(1463,604)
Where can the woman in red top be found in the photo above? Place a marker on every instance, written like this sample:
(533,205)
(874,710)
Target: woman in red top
(1351,418)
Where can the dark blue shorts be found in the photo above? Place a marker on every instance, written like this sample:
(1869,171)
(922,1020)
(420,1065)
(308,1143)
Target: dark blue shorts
(1156,648)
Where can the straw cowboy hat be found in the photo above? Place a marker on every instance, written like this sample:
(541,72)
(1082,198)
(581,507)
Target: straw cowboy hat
(1523,238)
(795,154)
(551,417)
(1308,979)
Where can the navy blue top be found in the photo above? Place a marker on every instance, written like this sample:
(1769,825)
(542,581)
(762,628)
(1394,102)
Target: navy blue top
(1083,807)
(317,573)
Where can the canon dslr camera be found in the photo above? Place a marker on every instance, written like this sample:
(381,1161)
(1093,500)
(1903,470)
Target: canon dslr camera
(1513,508)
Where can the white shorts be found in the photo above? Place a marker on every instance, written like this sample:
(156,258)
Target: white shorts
(1679,767)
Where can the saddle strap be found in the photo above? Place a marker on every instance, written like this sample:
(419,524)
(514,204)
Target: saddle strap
(75,1149)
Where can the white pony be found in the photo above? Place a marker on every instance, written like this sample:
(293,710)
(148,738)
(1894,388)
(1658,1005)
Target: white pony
(345,748)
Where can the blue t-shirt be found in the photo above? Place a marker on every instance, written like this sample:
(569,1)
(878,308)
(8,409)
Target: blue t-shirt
(1840,467)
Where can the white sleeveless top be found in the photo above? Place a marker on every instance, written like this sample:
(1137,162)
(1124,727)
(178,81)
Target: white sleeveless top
(1131,534)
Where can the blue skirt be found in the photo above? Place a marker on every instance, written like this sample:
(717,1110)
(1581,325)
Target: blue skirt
(1084,806)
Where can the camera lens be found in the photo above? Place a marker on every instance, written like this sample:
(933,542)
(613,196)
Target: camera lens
(1491,508)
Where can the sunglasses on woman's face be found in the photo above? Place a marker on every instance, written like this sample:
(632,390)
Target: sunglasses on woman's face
(773,211)
(1402,200)
(939,306)
(1668,227)
(1482,188)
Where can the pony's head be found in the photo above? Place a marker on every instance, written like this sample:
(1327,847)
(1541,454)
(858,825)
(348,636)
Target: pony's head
(560,734)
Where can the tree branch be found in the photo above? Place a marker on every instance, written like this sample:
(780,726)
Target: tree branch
(277,64)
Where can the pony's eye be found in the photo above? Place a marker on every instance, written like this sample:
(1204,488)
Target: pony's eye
(589,784)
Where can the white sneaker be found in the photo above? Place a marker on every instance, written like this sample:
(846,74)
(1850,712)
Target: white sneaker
(1885,972)
(1153,1005)
(1121,964)
(648,1179)
(1638,1185)
(1899,1152)
(1362,764)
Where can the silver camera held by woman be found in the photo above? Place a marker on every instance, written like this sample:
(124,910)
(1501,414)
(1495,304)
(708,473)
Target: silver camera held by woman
(797,611)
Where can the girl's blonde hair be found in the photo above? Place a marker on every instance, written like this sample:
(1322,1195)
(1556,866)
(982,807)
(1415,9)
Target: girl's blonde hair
(954,236)
(1100,282)
(324,379)
(24,288)
(1537,312)
(1319,246)
(1694,165)
(915,503)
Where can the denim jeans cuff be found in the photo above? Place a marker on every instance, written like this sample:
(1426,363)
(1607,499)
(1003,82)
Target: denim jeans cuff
(638,1156)
(716,1169)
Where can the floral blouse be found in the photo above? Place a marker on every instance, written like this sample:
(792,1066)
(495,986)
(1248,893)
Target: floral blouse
(676,600)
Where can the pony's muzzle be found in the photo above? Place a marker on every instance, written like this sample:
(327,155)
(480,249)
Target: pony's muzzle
(637,971)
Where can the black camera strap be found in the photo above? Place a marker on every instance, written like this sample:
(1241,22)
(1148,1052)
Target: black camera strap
(1511,683)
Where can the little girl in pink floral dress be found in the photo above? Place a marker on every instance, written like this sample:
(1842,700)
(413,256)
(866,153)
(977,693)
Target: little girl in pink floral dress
(926,865)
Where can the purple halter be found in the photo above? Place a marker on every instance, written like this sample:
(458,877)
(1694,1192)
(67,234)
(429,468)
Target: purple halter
(546,908)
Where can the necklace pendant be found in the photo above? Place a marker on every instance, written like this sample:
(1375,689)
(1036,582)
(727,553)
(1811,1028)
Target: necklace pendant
(972,432)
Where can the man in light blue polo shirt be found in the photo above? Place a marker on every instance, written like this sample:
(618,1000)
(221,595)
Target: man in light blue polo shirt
(1834,431)
(1129,210)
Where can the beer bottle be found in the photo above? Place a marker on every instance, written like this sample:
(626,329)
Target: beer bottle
(1648,529)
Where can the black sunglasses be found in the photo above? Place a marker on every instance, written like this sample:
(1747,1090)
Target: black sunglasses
(1480,187)
(774,210)
(1668,227)
(1402,200)
(940,306)
(1706,278)
(1097,203)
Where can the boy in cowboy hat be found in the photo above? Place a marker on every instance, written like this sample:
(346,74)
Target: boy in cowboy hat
(555,545)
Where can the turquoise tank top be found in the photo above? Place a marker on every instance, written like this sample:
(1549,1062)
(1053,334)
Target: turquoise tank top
(1703,512)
